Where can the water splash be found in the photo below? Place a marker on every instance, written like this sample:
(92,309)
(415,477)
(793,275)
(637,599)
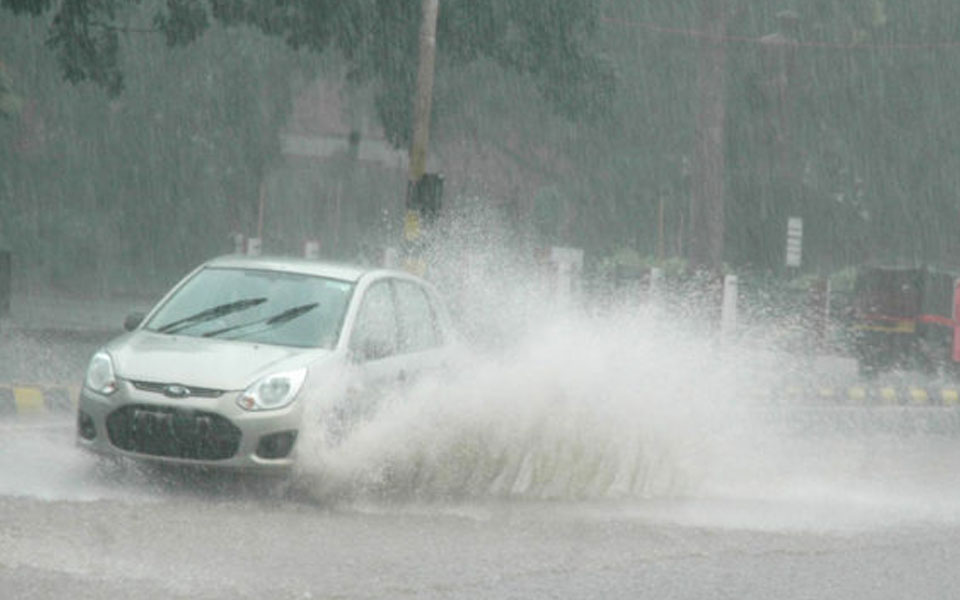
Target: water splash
(582,407)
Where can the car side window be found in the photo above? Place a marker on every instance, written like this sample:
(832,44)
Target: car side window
(418,323)
(375,334)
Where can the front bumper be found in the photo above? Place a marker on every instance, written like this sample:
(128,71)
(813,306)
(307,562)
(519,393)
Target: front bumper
(203,431)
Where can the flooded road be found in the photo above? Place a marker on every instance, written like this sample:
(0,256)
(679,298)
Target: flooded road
(865,517)
(591,462)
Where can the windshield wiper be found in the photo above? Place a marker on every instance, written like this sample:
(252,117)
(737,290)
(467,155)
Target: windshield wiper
(209,314)
(291,313)
(269,322)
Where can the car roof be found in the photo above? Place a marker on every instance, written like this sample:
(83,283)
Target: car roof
(319,268)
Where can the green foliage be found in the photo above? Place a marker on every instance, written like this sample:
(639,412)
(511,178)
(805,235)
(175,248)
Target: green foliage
(182,23)
(547,41)
(87,43)
(32,7)
(551,43)
(126,194)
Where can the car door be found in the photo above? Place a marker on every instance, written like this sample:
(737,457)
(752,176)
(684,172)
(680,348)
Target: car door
(420,337)
(374,349)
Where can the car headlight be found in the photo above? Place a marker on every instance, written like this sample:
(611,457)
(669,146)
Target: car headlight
(273,391)
(100,376)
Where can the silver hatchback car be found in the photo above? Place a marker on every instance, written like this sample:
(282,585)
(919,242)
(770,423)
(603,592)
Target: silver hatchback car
(223,370)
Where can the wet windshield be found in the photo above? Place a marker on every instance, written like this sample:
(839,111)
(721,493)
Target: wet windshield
(288,309)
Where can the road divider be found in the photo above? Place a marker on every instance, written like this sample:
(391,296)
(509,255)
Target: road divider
(40,399)
(37,399)
(860,395)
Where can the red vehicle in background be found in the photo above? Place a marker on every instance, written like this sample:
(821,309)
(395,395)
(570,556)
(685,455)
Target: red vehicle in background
(906,318)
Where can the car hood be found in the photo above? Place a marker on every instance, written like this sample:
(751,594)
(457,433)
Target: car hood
(203,362)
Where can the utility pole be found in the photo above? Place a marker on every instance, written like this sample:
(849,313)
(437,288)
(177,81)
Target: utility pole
(780,200)
(706,196)
(422,101)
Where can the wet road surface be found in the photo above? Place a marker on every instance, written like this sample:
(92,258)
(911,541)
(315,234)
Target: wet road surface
(887,526)
(578,468)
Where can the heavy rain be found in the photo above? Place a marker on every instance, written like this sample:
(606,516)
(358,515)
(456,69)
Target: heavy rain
(688,276)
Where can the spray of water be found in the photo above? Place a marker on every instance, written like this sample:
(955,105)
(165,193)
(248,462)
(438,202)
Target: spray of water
(579,409)
(558,400)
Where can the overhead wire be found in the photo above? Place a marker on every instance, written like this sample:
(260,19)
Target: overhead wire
(767,39)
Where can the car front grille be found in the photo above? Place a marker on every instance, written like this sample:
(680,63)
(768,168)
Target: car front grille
(172,432)
(162,388)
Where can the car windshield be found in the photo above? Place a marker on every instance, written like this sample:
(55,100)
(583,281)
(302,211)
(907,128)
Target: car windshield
(271,307)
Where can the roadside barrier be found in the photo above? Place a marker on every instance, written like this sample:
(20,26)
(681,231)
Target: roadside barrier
(858,395)
(37,399)
(44,399)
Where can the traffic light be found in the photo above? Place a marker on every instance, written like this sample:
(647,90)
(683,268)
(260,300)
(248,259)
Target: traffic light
(425,197)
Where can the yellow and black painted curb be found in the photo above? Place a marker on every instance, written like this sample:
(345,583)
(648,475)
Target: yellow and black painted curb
(861,395)
(40,399)
(37,399)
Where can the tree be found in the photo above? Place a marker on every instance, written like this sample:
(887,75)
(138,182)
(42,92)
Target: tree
(547,41)
(866,144)
(98,194)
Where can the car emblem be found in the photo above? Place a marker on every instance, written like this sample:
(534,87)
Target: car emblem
(176,391)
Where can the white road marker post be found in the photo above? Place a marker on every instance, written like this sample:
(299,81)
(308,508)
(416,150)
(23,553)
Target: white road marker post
(728,310)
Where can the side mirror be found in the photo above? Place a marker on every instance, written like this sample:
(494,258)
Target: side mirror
(133,320)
